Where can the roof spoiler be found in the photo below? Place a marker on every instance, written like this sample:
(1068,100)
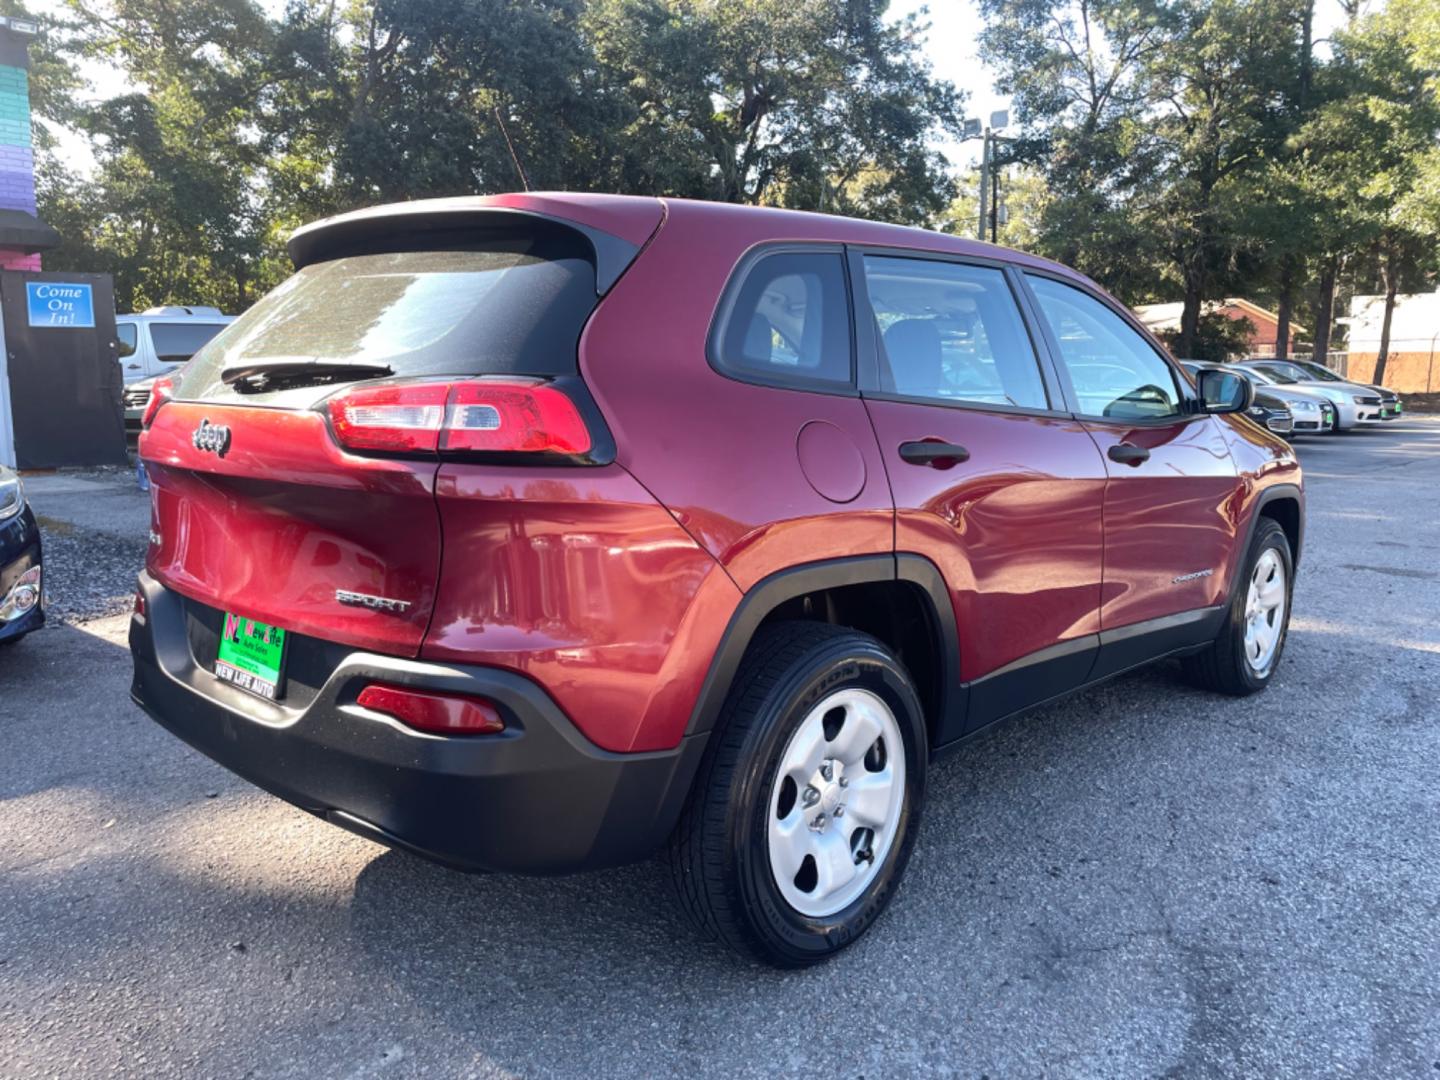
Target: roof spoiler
(326,238)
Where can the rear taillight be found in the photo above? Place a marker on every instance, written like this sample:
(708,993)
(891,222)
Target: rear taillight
(161,390)
(513,417)
(397,419)
(439,714)
(481,416)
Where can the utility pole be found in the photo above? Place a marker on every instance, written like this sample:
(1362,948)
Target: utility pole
(994,202)
(984,185)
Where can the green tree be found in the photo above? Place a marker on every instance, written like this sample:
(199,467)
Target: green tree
(1375,142)
(816,104)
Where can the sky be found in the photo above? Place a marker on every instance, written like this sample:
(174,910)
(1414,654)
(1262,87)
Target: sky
(953,47)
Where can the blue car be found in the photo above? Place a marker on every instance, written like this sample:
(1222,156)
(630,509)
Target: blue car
(21,610)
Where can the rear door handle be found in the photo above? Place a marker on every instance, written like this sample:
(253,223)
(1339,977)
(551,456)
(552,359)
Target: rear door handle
(939,455)
(1128,454)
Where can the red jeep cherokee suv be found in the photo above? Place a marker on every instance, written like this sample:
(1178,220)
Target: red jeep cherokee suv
(538,532)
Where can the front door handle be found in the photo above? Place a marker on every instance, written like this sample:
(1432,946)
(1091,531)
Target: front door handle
(1128,454)
(938,455)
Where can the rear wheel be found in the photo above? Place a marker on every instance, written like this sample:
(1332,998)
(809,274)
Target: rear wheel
(806,808)
(1247,650)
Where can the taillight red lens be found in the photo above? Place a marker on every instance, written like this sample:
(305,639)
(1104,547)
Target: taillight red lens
(161,390)
(399,419)
(513,416)
(441,714)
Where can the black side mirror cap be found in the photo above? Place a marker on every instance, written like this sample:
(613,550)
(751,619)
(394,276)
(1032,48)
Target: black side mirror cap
(1224,391)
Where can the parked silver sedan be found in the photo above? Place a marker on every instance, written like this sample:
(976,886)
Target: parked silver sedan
(1354,404)
(1391,407)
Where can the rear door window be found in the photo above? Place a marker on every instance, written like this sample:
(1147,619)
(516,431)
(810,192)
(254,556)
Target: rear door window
(788,323)
(501,304)
(951,332)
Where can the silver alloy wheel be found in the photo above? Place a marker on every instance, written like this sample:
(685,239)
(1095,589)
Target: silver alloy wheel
(1265,610)
(836,802)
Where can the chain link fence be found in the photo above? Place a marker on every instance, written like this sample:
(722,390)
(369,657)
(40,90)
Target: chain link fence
(1412,366)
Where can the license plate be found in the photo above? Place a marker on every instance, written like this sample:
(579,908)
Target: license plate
(251,656)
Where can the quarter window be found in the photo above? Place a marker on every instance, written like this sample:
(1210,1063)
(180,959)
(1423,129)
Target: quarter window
(951,332)
(1113,370)
(790,321)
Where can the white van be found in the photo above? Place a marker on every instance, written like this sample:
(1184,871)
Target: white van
(160,339)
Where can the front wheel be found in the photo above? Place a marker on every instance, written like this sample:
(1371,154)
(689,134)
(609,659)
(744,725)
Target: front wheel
(806,808)
(1247,650)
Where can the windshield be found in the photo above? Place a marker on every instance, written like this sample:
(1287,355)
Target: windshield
(1279,375)
(1321,372)
(507,305)
(1255,375)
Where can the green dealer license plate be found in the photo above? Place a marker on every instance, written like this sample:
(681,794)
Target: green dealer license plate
(252,656)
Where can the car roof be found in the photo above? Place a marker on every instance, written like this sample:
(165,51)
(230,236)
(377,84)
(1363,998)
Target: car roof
(634,218)
(194,317)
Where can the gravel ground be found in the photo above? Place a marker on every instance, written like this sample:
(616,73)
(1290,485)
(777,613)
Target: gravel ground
(88,575)
(92,540)
(1142,881)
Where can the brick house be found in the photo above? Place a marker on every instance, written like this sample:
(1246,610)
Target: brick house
(1165,318)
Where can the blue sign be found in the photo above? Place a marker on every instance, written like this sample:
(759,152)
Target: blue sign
(59,304)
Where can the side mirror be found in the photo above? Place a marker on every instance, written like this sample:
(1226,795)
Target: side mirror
(1224,391)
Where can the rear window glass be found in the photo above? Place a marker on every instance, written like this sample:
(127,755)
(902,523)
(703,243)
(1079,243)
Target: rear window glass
(507,305)
(178,342)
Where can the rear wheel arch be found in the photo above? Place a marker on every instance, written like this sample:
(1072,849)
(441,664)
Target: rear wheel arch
(902,601)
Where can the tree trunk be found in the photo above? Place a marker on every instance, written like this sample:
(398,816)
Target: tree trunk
(1325,309)
(1189,319)
(1392,282)
(1282,316)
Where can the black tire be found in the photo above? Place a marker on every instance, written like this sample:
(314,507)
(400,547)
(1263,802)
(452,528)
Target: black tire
(719,854)
(1222,666)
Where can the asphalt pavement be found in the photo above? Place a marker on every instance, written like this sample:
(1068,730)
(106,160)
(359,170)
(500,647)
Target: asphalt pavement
(1142,881)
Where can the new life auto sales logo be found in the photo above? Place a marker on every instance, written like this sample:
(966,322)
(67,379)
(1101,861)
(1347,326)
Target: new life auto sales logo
(214,438)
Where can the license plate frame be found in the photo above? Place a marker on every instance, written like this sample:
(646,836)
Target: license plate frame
(251,655)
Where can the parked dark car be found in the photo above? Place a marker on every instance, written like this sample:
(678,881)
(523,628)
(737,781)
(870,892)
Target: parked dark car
(535,533)
(21,588)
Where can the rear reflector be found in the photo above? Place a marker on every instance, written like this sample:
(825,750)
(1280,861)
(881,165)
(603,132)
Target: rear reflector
(441,714)
(518,416)
(160,392)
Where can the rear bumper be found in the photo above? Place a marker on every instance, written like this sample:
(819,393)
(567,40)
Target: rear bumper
(539,798)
